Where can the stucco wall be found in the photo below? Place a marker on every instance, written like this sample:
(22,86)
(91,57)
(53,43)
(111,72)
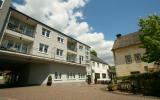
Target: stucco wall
(124,69)
(39,73)
(3,14)
(101,69)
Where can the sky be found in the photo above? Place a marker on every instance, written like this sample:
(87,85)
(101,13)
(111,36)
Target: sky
(94,22)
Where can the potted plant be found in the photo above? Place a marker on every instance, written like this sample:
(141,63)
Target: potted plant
(49,82)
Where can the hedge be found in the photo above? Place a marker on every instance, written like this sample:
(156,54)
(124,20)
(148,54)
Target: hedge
(146,83)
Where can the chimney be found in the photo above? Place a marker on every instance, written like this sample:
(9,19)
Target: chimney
(118,35)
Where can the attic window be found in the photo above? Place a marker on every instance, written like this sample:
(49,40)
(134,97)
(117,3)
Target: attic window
(1,3)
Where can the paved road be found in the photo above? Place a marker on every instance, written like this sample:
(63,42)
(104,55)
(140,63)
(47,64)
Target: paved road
(93,92)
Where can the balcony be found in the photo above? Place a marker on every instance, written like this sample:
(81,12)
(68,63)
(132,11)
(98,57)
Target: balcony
(71,58)
(72,46)
(20,27)
(15,46)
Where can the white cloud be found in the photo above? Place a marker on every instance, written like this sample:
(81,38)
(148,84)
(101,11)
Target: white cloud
(67,16)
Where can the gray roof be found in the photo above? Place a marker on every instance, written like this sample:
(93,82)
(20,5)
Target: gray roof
(127,40)
(95,58)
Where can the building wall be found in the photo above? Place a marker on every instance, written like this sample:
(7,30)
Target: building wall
(99,69)
(124,69)
(3,15)
(39,73)
(51,42)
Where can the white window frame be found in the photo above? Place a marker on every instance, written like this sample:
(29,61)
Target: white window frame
(61,39)
(71,75)
(80,47)
(81,76)
(43,48)
(59,52)
(14,46)
(98,65)
(2,4)
(46,32)
(93,64)
(59,76)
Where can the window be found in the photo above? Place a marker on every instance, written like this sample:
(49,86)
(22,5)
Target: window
(43,48)
(135,72)
(97,64)
(24,48)
(18,46)
(59,52)
(71,75)
(87,48)
(87,53)
(29,31)
(57,75)
(80,47)
(97,75)
(81,76)
(128,59)
(10,44)
(137,57)
(93,63)
(103,75)
(60,39)
(1,3)
(20,27)
(87,57)
(45,32)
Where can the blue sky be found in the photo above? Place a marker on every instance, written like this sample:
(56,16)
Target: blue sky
(94,22)
(118,16)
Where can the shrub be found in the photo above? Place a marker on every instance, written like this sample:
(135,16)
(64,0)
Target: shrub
(49,82)
(112,87)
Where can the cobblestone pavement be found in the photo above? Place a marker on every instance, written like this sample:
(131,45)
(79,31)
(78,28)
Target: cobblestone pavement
(93,92)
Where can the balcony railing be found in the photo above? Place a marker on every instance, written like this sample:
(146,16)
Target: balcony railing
(72,58)
(72,48)
(20,27)
(15,47)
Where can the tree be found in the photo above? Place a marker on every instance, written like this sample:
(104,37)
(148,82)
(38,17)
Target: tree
(150,26)
(93,52)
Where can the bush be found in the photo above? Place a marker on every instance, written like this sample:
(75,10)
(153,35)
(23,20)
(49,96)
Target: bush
(146,83)
(49,82)
(112,87)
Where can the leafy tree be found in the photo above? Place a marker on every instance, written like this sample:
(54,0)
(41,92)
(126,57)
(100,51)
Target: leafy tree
(93,52)
(150,26)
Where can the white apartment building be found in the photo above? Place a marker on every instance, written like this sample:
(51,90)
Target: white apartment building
(99,70)
(31,51)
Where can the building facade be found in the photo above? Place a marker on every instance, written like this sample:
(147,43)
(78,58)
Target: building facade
(32,51)
(99,70)
(127,55)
